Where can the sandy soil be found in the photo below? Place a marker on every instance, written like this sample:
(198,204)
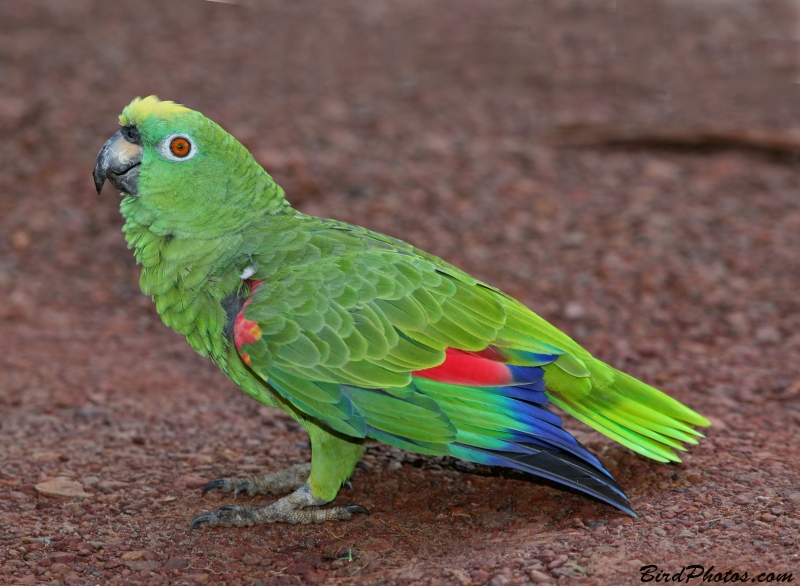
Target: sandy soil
(435,122)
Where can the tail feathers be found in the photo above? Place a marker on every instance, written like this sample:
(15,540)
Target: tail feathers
(552,464)
(635,414)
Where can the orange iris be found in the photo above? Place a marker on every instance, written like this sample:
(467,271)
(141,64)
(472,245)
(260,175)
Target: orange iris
(180,147)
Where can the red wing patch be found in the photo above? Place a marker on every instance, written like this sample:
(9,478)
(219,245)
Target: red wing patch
(466,368)
(244,330)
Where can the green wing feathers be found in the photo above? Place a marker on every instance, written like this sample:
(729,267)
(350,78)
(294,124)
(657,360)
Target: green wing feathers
(343,329)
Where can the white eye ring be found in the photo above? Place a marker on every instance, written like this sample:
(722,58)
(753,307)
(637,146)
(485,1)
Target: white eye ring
(167,149)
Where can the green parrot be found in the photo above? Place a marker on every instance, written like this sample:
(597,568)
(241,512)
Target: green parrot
(358,336)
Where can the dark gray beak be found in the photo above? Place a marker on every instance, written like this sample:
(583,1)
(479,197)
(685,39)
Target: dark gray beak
(118,162)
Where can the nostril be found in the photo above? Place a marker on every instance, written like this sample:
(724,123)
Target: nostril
(131,134)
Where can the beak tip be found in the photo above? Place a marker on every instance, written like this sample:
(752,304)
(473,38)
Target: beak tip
(99,180)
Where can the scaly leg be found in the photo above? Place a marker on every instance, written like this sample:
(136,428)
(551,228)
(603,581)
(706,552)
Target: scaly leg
(281,482)
(333,460)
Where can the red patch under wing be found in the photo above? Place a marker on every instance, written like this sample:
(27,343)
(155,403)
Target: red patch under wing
(466,368)
(244,330)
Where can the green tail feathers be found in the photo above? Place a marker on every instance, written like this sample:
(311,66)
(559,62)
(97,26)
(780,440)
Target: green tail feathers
(627,410)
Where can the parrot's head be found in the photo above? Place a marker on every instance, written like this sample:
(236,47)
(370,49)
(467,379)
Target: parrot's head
(175,162)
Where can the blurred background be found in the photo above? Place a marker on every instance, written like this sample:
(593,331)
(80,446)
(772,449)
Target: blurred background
(627,169)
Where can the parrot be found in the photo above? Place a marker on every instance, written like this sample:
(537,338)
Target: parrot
(359,337)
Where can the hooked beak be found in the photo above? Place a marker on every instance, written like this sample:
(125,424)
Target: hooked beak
(118,161)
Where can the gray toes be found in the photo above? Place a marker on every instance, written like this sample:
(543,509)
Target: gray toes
(200,519)
(356,509)
(226,516)
(247,487)
(218,483)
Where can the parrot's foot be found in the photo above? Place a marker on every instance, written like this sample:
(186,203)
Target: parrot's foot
(294,508)
(276,483)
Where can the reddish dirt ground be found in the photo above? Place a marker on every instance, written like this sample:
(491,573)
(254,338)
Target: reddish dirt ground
(436,122)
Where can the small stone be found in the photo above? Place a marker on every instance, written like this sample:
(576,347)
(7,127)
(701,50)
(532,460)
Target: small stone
(574,310)
(62,557)
(59,568)
(90,481)
(201,459)
(768,517)
(176,564)
(46,456)
(61,487)
(143,566)
(133,556)
(547,555)
(538,577)
(108,486)
(659,531)
(20,240)
(558,562)
(74,509)
(190,481)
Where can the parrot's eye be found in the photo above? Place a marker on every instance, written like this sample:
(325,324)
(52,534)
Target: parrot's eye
(177,147)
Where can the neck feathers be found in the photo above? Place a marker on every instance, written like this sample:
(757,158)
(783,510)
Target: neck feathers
(188,278)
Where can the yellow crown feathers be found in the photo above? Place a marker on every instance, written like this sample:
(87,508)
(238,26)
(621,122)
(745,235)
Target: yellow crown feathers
(140,109)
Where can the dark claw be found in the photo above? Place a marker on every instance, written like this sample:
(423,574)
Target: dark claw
(218,483)
(348,484)
(356,509)
(240,488)
(364,467)
(227,508)
(204,518)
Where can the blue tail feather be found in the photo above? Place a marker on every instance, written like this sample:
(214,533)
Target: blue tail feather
(526,374)
(530,393)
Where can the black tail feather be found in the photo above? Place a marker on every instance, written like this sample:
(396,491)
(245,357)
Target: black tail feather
(560,467)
